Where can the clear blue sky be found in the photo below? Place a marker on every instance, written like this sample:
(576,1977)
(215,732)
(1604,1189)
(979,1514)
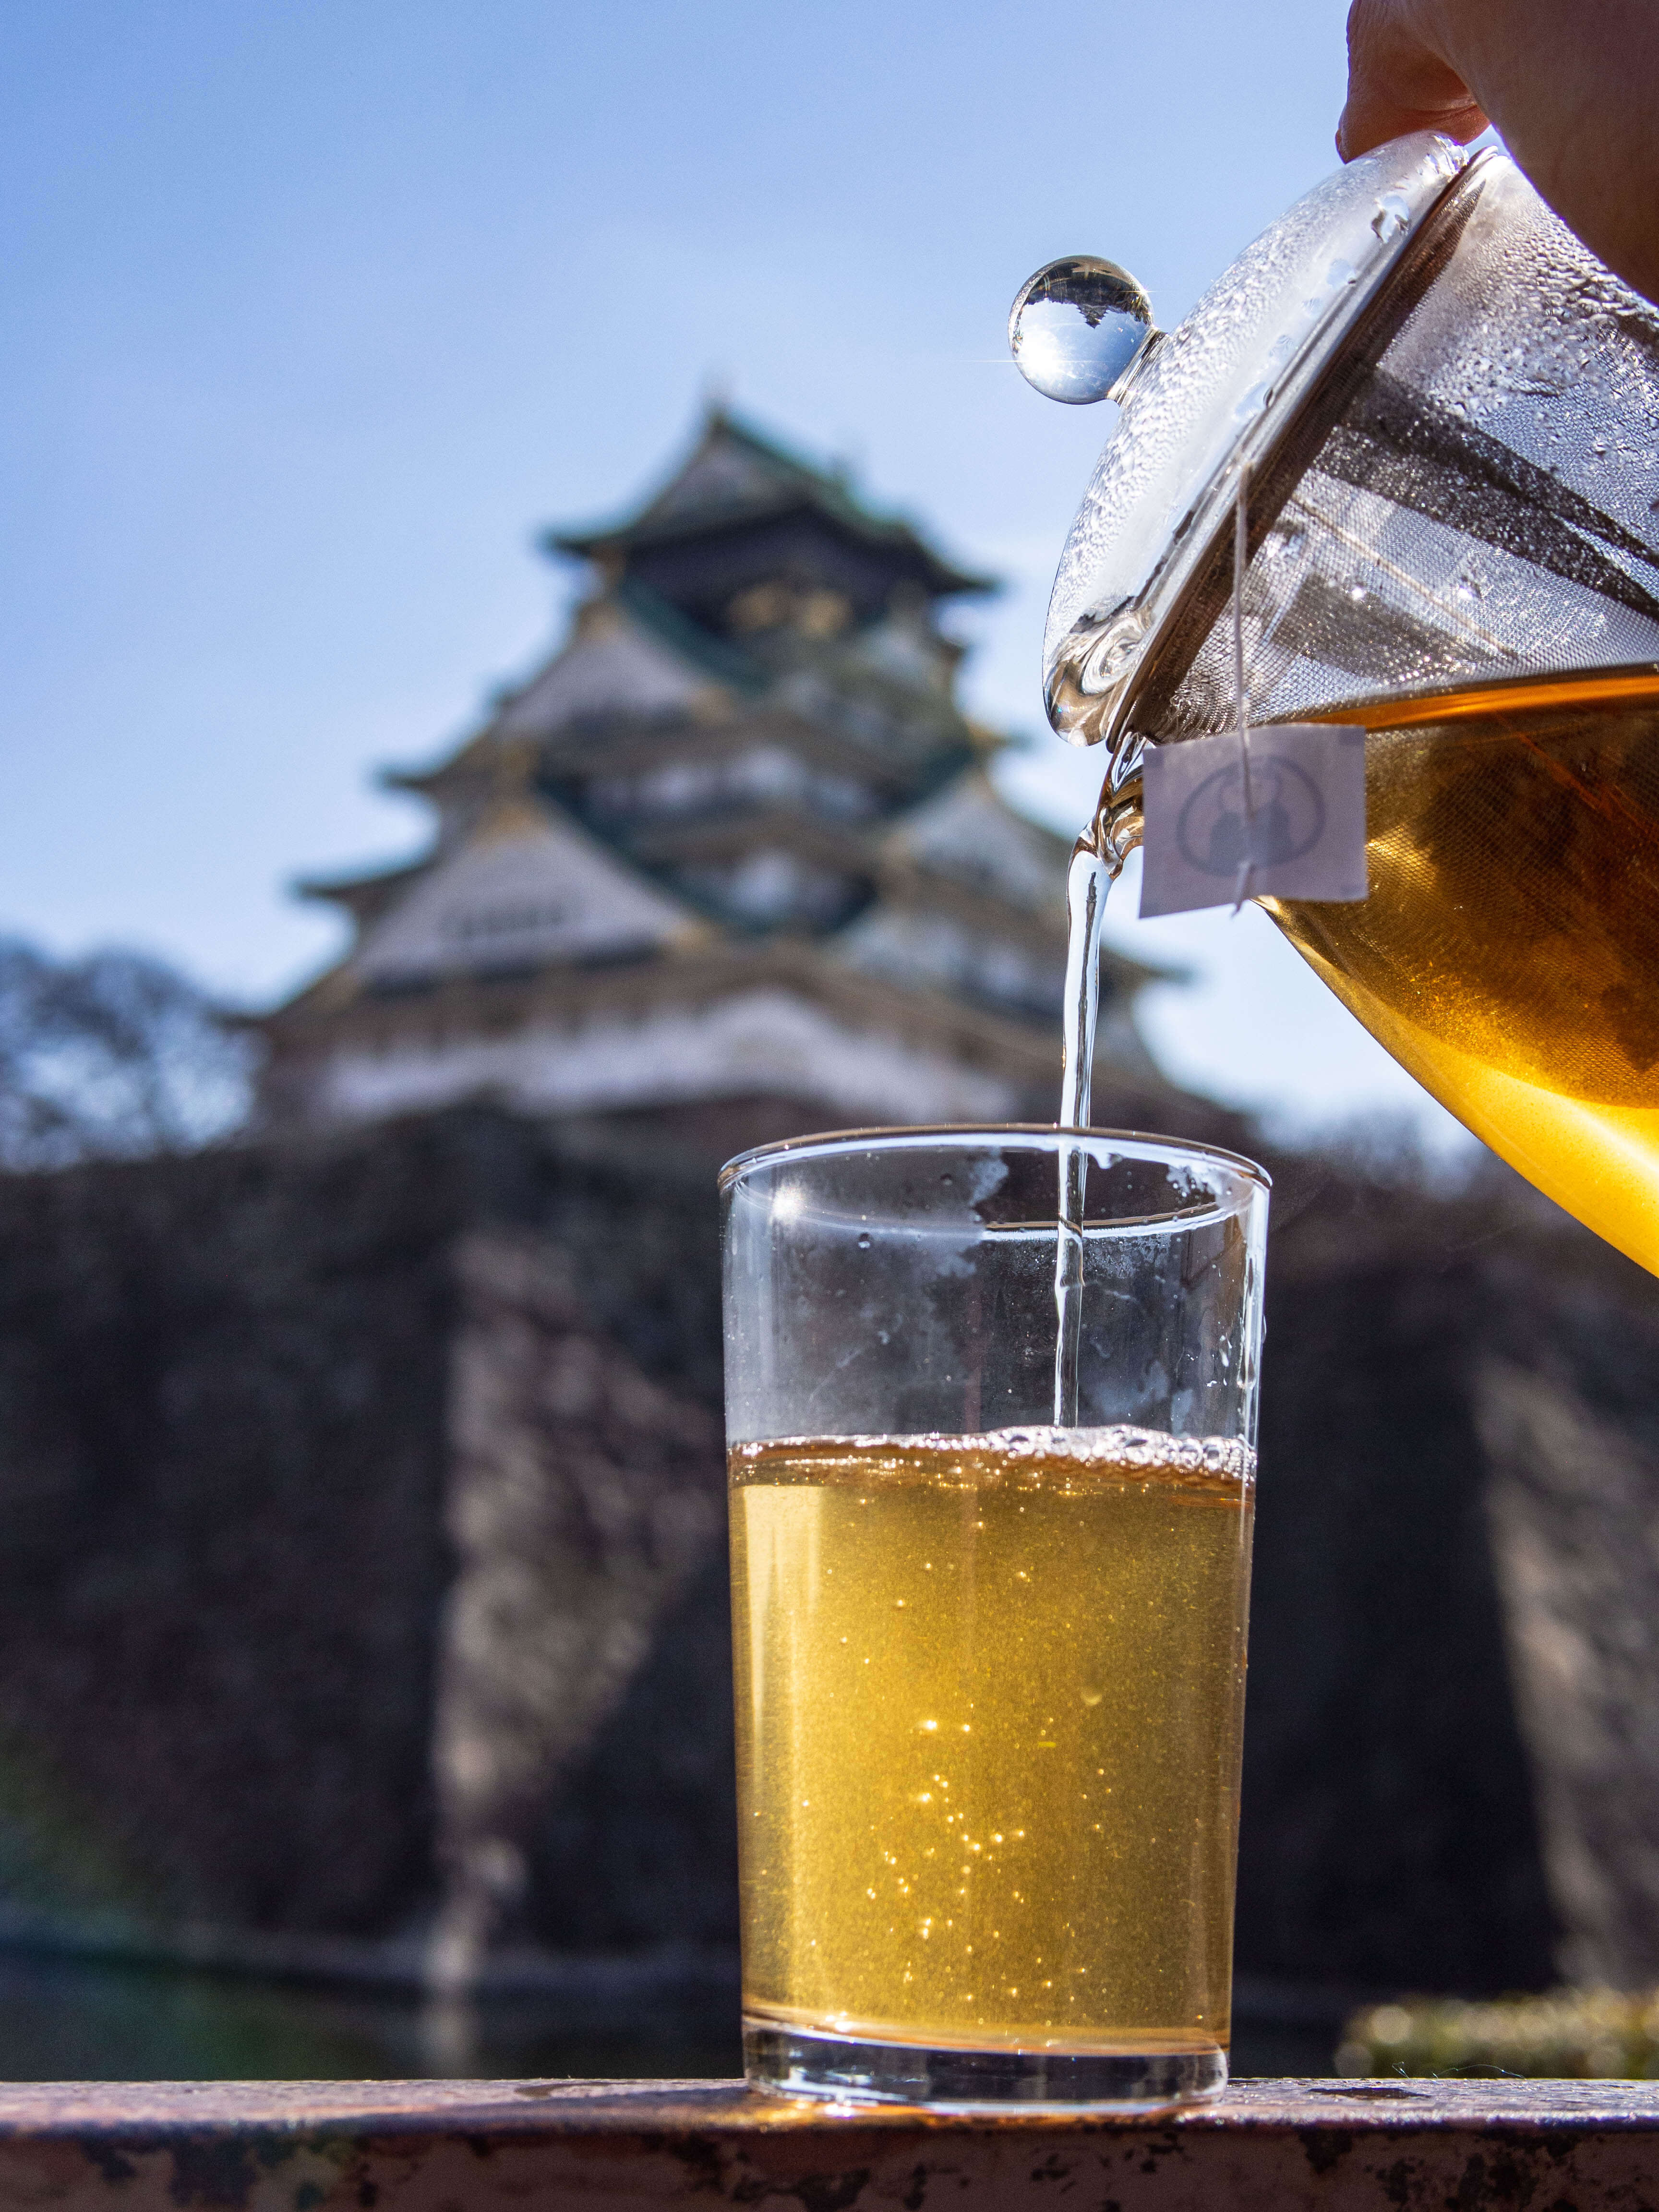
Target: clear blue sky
(318,309)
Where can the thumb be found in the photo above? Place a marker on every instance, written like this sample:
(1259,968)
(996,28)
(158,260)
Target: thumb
(1397,82)
(1371,116)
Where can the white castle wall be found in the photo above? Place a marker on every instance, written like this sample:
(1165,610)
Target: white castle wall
(761,1040)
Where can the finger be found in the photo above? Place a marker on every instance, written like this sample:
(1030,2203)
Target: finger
(1371,118)
(1398,82)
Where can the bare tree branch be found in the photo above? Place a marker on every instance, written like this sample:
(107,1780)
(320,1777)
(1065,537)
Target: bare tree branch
(113,1056)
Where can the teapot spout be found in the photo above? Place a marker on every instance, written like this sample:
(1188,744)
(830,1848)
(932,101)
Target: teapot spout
(1116,826)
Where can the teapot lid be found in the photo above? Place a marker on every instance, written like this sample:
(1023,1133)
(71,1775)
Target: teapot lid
(1219,392)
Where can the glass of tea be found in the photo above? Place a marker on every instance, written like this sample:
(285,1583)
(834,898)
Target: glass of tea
(990,1670)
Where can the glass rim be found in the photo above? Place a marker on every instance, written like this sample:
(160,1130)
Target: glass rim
(829,1142)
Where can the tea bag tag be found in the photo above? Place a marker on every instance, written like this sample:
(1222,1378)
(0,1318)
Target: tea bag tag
(1278,811)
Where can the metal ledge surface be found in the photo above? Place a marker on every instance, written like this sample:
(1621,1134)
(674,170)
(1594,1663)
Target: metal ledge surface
(613,2145)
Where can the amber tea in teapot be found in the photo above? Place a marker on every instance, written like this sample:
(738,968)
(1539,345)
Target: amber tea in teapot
(1508,954)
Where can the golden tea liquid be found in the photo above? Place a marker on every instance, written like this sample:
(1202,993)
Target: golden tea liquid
(1508,954)
(989,1695)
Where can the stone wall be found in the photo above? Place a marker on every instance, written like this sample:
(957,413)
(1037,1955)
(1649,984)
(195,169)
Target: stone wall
(1388,1838)
(363,1597)
(337,1515)
(1566,1404)
(581,1499)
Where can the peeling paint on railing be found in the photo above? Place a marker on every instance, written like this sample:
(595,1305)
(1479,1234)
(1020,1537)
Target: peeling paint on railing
(625,2146)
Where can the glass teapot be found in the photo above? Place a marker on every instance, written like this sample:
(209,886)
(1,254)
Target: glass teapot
(1439,414)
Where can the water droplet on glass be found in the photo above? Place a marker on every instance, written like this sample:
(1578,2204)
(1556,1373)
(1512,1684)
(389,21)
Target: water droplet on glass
(1394,215)
(1077,327)
(864,1240)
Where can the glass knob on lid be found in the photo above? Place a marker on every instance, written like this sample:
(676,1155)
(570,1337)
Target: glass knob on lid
(1079,328)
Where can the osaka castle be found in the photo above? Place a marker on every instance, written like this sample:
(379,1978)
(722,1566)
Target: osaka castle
(729,866)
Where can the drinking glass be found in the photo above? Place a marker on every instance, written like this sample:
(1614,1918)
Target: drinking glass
(990,1670)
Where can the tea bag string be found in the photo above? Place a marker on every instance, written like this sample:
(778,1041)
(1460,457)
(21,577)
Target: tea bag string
(1241,696)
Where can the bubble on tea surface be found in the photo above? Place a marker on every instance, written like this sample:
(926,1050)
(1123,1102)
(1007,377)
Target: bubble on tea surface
(1077,327)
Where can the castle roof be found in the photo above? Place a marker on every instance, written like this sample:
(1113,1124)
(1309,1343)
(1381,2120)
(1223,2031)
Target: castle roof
(735,478)
(527,889)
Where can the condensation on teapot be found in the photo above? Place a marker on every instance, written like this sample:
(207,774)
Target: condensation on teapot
(1081,329)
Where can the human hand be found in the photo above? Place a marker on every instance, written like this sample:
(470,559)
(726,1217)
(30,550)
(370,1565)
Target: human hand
(1574,89)
(1399,80)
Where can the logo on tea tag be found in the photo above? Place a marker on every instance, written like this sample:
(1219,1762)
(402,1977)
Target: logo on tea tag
(1289,822)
